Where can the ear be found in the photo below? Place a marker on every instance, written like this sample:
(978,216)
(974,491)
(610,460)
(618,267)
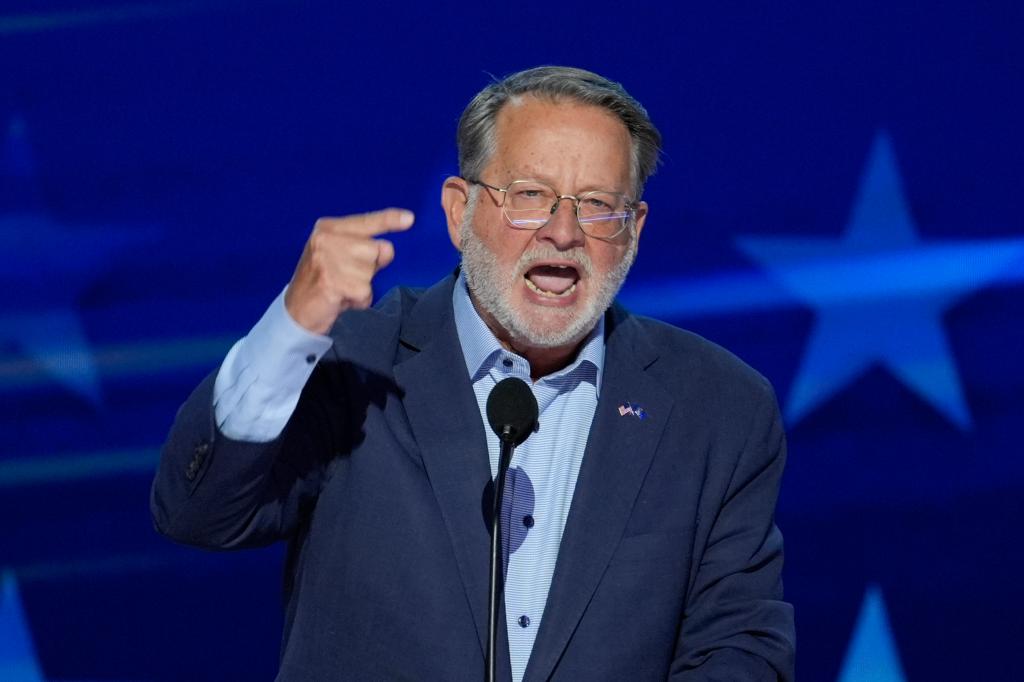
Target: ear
(454,199)
(641,219)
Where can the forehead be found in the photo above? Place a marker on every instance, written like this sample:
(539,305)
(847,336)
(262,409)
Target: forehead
(563,141)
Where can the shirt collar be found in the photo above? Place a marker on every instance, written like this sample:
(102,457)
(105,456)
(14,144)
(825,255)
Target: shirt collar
(481,349)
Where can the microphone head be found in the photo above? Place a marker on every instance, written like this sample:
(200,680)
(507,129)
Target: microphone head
(512,410)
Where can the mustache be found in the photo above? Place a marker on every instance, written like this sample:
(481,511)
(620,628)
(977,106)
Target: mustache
(541,254)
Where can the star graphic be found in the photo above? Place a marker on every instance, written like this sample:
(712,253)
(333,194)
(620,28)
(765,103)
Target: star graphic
(17,653)
(872,654)
(879,293)
(48,263)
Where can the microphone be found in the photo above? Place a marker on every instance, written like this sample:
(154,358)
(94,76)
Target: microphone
(512,413)
(512,410)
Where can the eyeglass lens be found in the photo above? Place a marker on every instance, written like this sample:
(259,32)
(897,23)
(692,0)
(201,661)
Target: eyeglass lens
(530,205)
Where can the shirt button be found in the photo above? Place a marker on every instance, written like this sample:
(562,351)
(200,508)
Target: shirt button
(507,362)
(528,521)
(524,621)
(310,359)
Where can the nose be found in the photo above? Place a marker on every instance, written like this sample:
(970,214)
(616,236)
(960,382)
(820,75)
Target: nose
(563,230)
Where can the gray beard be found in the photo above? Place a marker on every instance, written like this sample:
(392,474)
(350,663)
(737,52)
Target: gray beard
(546,327)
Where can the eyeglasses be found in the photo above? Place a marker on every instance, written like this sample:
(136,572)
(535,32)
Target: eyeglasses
(529,205)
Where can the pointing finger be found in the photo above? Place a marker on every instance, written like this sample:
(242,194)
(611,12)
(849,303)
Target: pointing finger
(379,222)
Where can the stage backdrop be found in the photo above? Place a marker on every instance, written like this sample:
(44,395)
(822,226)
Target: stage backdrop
(839,204)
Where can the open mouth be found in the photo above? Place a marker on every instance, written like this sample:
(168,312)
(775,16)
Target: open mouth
(552,281)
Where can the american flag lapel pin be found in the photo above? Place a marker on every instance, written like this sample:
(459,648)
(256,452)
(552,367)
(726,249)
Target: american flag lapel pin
(633,409)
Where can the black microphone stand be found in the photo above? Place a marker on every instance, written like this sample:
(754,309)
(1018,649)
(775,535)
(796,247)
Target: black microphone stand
(504,459)
(512,414)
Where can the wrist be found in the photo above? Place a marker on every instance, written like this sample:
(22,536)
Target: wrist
(315,317)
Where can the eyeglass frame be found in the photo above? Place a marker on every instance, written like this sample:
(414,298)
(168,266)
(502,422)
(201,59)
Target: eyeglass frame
(630,213)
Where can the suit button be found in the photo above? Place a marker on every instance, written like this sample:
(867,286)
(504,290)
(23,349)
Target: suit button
(191,471)
(524,621)
(202,449)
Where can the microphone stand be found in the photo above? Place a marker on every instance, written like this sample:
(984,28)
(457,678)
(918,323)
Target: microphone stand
(512,414)
(504,460)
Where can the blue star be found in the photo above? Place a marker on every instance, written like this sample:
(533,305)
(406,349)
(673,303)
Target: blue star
(872,654)
(879,293)
(48,263)
(18,662)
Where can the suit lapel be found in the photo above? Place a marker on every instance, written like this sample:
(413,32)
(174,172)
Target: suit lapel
(445,420)
(618,454)
(447,427)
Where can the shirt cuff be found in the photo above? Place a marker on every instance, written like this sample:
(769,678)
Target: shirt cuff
(260,381)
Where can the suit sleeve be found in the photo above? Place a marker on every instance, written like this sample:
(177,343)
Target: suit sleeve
(736,627)
(217,492)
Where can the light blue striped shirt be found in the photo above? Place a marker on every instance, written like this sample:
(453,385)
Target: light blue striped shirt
(542,475)
(258,387)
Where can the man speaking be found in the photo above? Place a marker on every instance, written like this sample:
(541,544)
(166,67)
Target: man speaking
(638,535)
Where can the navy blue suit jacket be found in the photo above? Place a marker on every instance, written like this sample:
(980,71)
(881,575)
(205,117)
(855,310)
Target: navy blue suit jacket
(669,565)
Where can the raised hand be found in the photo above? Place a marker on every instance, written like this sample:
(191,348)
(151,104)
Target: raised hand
(338,264)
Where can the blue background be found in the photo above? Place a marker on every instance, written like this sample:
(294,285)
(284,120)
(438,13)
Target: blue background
(839,204)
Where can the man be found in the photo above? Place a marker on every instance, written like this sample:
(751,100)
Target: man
(639,515)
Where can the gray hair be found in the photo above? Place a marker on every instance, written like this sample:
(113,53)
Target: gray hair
(476,136)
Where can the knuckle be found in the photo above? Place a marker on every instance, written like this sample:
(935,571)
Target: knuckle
(316,255)
(316,241)
(363,250)
(385,254)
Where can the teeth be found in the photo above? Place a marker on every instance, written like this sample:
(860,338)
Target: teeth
(549,294)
